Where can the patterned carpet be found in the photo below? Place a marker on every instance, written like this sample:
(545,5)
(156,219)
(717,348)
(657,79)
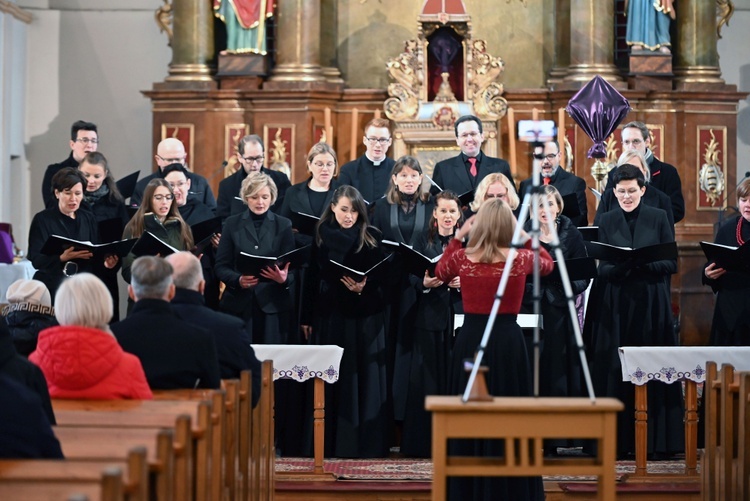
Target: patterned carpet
(420,470)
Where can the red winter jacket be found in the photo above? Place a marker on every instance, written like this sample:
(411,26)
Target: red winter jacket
(80,362)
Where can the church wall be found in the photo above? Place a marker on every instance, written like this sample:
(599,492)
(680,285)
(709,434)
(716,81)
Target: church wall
(89,60)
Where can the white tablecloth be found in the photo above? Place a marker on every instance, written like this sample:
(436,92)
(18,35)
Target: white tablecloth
(302,362)
(9,273)
(668,364)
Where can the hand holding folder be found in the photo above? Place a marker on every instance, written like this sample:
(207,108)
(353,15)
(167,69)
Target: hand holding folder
(250,264)
(634,257)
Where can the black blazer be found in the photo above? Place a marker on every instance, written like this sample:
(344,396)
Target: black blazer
(451,174)
(651,228)
(359,173)
(229,190)
(385,218)
(174,353)
(232,341)
(652,197)
(297,199)
(274,239)
(566,183)
(199,189)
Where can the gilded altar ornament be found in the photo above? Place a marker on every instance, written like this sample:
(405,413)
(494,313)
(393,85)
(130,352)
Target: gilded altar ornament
(568,155)
(724,11)
(163,16)
(485,90)
(711,176)
(278,151)
(406,71)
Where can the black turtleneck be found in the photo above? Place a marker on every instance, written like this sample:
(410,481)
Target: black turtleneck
(258,219)
(632,218)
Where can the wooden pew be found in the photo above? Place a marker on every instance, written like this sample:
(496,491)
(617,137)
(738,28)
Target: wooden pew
(743,439)
(45,480)
(263,450)
(244,433)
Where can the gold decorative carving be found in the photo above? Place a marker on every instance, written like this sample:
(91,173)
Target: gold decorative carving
(406,70)
(278,151)
(163,16)
(568,154)
(485,91)
(724,11)
(711,176)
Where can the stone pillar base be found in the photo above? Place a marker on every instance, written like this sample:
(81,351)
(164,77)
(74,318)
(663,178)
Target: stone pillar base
(581,74)
(700,78)
(188,76)
(333,75)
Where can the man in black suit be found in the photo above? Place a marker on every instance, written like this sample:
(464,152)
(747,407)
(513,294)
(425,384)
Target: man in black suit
(174,353)
(84,139)
(172,151)
(251,154)
(464,172)
(371,172)
(565,182)
(232,341)
(664,177)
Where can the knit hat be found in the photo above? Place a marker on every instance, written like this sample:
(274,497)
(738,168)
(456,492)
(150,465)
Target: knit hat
(29,291)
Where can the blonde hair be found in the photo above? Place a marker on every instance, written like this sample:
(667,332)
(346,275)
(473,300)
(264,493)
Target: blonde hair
(628,155)
(84,300)
(550,190)
(256,182)
(484,185)
(492,231)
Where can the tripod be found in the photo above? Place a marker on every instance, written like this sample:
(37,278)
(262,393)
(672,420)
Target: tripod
(531,202)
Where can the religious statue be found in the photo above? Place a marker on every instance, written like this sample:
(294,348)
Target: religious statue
(246,27)
(648,24)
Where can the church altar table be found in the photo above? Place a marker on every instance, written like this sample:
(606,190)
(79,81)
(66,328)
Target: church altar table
(670,364)
(9,273)
(300,363)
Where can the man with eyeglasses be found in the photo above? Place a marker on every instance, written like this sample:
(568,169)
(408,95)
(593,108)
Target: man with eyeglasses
(371,172)
(565,182)
(664,177)
(172,151)
(83,139)
(464,172)
(251,154)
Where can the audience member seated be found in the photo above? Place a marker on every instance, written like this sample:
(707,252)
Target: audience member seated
(29,311)
(25,432)
(22,371)
(81,358)
(174,353)
(232,340)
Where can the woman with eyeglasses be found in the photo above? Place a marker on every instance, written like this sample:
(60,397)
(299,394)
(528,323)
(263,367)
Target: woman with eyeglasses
(103,199)
(402,215)
(263,301)
(158,215)
(66,220)
(634,308)
(437,304)
(495,185)
(349,312)
(560,367)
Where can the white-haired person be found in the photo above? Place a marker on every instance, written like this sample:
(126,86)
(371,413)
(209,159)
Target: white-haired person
(495,185)
(81,358)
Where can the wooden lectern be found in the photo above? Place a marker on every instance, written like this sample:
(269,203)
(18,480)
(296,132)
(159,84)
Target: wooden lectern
(524,422)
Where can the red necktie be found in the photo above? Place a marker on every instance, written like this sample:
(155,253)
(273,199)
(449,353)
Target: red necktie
(546,180)
(473,168)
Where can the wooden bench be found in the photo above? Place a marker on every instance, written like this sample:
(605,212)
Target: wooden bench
(44,480)
(743,438)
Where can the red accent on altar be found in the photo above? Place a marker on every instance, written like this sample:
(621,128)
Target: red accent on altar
(248,11)
(432,7)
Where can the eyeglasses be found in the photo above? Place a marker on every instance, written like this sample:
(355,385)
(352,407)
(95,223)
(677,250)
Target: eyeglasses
(177,160)
(252,160)
(178,185)
(550,157)
(86,140)
(381,140)
(467,135)
(161,198)
(487,196)
(633,142)
(626,193)
(320,165)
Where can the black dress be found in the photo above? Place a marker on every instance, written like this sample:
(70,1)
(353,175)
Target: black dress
(432,343)
(635,309)
(105,209)
(401,223)
(731,321)
(356,417)
(194,212)
(53,222)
